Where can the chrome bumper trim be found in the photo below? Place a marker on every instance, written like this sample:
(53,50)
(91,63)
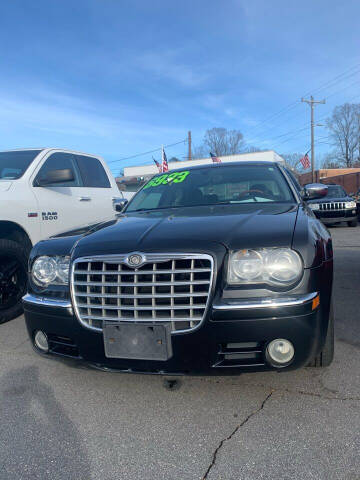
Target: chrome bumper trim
(46,302)
(290,301)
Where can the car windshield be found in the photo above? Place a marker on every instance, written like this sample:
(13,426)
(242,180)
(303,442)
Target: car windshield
(14,164)
(230,184)
(335,191)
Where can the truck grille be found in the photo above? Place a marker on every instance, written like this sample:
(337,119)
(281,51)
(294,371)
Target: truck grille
(166,288)
(332,206)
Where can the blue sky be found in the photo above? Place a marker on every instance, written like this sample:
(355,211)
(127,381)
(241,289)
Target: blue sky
(120,77)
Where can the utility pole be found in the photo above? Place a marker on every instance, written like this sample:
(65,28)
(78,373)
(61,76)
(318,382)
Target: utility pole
(312,102)
(189,142)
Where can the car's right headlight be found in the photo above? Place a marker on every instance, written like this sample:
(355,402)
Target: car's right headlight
(52,270)
(272,266)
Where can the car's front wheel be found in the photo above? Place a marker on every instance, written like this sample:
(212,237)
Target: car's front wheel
(13,278)
(352,223)
(325,357)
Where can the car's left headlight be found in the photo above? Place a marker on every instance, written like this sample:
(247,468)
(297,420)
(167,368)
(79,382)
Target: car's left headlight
(272,266)
(350,204)
(52,270)
(314,206)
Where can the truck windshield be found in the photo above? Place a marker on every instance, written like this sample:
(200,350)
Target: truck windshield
(335,191)
(225,184)
(14,164)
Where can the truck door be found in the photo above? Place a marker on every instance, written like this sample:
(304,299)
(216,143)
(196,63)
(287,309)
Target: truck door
(96,187)
(61,206)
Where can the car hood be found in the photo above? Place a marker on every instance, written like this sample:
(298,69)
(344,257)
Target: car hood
(194,228)
(5,185)
(330,200)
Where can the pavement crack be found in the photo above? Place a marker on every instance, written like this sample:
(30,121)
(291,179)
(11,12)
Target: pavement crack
(229,437)
(322,396)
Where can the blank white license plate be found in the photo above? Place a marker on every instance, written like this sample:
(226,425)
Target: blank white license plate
(137,341)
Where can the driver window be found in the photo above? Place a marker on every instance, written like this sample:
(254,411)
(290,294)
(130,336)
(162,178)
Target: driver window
(59,161)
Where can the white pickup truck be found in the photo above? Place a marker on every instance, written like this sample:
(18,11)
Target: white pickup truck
(44,192)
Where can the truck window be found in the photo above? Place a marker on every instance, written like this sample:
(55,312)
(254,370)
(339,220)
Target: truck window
(14,164)
(59,161)
(335,191)
(92,172)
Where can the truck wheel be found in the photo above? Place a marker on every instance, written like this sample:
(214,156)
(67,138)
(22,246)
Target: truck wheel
(13,278)
(325,357)
(353,223)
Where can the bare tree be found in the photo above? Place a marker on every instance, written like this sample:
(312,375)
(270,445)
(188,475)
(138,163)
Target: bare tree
(357,114)
(344,132)
(221,141)
(330,160)
(199,151)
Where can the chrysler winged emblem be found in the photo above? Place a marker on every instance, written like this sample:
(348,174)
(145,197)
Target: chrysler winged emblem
(134,260)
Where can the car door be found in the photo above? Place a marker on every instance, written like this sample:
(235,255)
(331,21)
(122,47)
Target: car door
(97,187)
(61,206)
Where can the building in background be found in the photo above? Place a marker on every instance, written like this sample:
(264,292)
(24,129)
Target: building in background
(135,177)
(349,178)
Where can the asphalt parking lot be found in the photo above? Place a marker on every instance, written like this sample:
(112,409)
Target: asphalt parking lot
(63,423)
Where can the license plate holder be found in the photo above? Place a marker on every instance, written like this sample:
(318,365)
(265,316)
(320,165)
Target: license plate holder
(137,341)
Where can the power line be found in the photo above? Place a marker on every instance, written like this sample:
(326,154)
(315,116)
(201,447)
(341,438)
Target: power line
(301,129)
(148,152)
(330,83)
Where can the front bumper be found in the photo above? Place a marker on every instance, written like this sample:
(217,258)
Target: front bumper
(336,216)
(232,339)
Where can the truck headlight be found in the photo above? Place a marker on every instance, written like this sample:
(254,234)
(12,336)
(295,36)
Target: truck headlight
(350,204)
(50,271)
(273,266)
(314,206)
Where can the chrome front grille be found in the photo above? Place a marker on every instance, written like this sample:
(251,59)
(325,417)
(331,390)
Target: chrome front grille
(167,288)
(332,206)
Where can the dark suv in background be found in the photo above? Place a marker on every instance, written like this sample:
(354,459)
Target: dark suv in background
(337,206)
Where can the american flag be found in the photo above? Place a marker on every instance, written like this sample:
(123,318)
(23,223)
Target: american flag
(165,166)
(158,165)
(215,159)
(305,162)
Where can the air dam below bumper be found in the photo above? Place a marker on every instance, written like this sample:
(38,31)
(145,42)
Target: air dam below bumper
(232,338)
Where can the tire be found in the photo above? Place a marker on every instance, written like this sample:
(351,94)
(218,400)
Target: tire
(13,278)
(353,223)
(325,357)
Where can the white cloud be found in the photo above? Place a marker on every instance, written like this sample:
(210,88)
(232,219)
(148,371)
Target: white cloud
(52,119)
(166,65)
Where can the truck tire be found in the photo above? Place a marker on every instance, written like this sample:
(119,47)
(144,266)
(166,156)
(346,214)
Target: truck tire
(325,357)
(353,223)
(13,278)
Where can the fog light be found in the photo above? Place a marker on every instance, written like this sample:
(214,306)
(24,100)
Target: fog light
(280,352)
(41,341)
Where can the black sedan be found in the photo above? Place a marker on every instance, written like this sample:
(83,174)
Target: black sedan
(336,207)
(214,269)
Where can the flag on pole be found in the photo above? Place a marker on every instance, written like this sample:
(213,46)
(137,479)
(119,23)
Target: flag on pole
(305,162)
(215,159)
(165,166)
(158,165)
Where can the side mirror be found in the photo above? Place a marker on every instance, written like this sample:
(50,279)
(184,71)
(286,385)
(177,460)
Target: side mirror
(315,190)
(119,204)
(56,176)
